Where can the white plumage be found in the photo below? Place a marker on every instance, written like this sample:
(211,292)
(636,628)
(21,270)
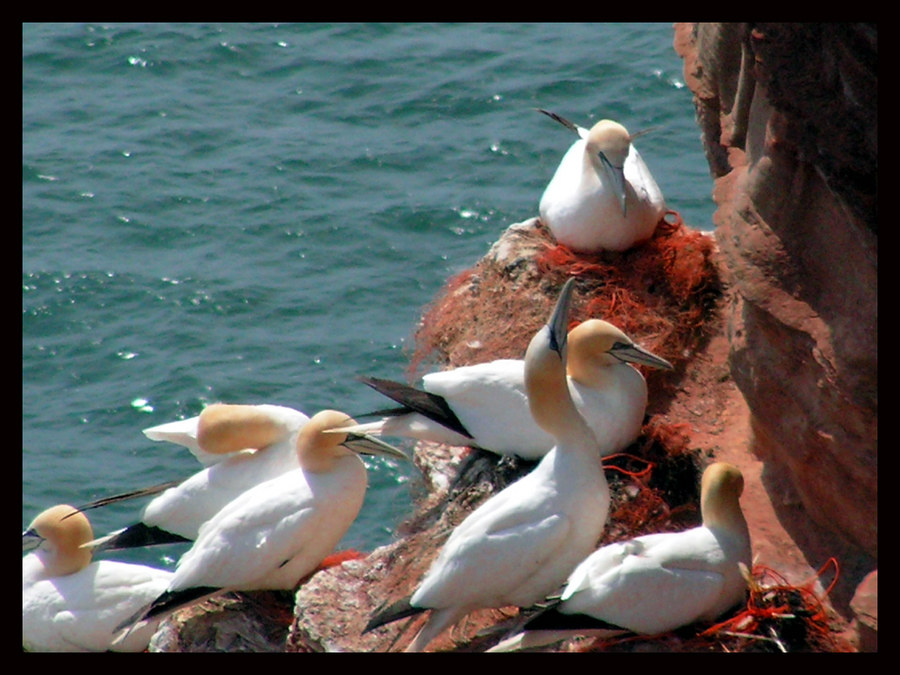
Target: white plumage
(275,533)
(254,443)
(602,196)
(658,582)
(523,542)
(486,405)
(71,604)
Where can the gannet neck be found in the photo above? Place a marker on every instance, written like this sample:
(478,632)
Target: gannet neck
(60,531)
(548,395)
(226,428)
(720,492)
(546,384)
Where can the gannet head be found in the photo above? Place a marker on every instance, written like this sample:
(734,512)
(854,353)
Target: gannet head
(607,144)
(57,535)
(720,491)
(226,428)
(610,139)
(323,440)
(596,344)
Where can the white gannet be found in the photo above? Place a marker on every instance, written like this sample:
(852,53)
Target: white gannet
(72,604)
(275,533)
(485,405)
(658,582)
(229,431)
(522,543)
(213,440)
(602,196)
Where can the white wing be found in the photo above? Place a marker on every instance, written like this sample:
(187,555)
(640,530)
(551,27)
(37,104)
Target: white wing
(651,584)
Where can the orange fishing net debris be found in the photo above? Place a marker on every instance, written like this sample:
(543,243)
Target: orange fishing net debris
(339,557)
(652,489)
(792,618)
(334,559)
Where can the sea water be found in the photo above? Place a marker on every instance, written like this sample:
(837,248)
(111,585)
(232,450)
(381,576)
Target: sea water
(258,213)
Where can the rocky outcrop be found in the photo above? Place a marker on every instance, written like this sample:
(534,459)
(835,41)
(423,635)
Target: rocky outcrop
(789,123)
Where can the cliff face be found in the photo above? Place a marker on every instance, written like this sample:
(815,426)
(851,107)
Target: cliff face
(789,123)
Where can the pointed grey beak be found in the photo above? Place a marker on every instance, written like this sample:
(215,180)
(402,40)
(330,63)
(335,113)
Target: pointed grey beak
(30,540)
(633,353)
(616,177)
(366,444)
(559,319)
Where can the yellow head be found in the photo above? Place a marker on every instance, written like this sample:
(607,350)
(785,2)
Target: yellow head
(611,139)
(321,442)
(597,344)
(56,535)
(225,428)
(720,492)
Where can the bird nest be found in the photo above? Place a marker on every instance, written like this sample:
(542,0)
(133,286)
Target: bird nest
(661,293)
(777,617)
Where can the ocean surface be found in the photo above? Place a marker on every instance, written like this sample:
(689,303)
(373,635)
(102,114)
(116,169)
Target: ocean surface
(257,213)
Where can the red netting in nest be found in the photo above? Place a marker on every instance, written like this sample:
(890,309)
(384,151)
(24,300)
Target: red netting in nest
(654,484)
(660,293)
(335,559)
(636,508)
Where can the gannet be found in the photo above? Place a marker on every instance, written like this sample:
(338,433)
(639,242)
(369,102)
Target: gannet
(658,582)
(485,405)
(258,426)
(275,533)
(522,543)
(72,604)
(221,430)
(602,196)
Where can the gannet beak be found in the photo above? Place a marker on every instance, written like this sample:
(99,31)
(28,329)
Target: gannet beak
(30,540)
(633,353)
(559,320)
(616,176)
(99,544)
(366,444)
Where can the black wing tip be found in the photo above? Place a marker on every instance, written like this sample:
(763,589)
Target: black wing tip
(140,535)
(553,619)
(165,603)
(133,494)
(383,412)
(390,613)
(396,391)
(559,118)
(420,401)
(169,601)
(376,382)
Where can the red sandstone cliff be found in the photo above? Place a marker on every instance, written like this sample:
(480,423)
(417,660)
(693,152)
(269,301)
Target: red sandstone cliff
(789,121)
